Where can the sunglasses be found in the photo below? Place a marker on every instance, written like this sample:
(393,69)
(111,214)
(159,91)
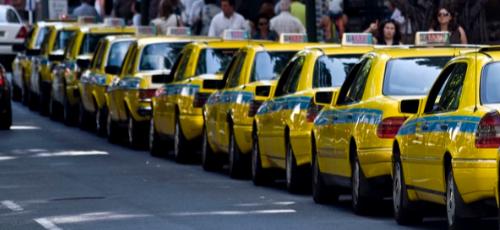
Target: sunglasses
(443,14)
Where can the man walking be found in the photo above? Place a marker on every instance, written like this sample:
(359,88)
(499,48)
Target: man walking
(285,22)
(86,9)
(227,19)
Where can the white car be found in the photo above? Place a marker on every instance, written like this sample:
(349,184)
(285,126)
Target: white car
(12,32)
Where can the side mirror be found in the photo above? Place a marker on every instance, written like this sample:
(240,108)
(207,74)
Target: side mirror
(409,106)
(263,90)
(213,84)
(56,57)
(83,63)
(160,78)
(112,70)
(33,52)
(18,48)
(324,98)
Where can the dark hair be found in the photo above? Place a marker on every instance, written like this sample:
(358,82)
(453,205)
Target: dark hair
(231,2)
(397,33)
(452,26)
(210,1)
(261,16)
(137,6)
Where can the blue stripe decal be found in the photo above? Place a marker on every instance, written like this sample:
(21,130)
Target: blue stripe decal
(466,124)
(349,116)
(225,97)
(285,103)
(181,89)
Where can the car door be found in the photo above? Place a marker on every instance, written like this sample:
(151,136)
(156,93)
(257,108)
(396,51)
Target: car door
(437,126)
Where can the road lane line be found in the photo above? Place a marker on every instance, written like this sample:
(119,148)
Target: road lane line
(12,206)
(47,224)
(233,213)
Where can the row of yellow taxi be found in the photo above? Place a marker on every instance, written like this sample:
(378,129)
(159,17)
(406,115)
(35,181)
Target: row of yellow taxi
(418,123)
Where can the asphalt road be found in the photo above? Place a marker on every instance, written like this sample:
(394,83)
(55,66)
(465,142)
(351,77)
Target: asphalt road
(56,177)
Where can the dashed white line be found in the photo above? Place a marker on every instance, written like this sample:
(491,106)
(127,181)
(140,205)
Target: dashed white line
(12,206)
(47,224)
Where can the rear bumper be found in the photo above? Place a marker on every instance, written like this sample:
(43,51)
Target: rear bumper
(476,179)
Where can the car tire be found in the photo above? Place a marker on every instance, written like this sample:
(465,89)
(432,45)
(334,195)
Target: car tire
(453,203)
(44,100)
(25,96)
(16,93)
(135,133)
(101,119)
(298,178)
(6,116)
(84,121)
(209,160)
(181,149)
(54,109)
(113,130)
(360,203)
(69,116)
(260,175)
(322,194)
(33,101)
(157,147)
(406,212)
(239,164)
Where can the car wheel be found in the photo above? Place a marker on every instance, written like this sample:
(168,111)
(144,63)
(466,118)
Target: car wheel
(112,130)
(157,147)
(239,166)
(322,194)
(25,95)
(43,104)
(453,203)
(101,116)
(360,203)
(260,176)
(68,113)
(83,118)
(16,93)
(181,150)
(209,160)
(297,178)
(6,116)
(405,211)
(135,133)
(54,109)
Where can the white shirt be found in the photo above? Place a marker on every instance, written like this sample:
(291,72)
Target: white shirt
(220,23)
(194,13)
(286,23)
(188,4)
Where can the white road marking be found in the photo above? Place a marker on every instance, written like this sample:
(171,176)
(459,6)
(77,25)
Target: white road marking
(12,206)
(71,153)
(232,213)
(24,127)
(47,224)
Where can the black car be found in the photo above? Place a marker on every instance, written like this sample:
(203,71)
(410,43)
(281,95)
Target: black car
(5,106)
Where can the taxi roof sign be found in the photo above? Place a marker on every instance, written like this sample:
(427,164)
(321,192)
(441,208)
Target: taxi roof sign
(293,38)
(178,31)
(114,22)
(145,30)
(235,35)
(353,39)
(432,38)
(87,19)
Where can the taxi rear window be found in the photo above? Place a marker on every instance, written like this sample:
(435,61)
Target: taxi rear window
(212,61)
(331,71)
(117,53)
(490,82)
(412,76)
(62,39)
(89,42)
(160,56)
(268,65)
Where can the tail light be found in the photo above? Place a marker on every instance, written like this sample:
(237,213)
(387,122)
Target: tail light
(22,33)
(389,127)
(313,111)
(488,131)
(2,78)
(254,106)
(200,99)
(146,93)
(160,91)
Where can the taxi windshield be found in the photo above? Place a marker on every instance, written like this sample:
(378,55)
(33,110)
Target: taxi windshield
(331,71)
(268,65)
(160,56)
(412,76)
(213,61)
(62,39)
(490,81)
(89,42)
(117,53)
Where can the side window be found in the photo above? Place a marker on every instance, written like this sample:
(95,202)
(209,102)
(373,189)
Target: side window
(289,79)
(235,72)
(357,88)
(12,17)
(128,62)
(322,75)
(180,73)
(97,60)
(445,96)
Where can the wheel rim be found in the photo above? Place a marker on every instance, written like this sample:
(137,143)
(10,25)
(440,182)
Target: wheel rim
(98,119)
(130,130)
(450,202)
(396,188)
(355,184)
(151,135)
(176,139)
(289,165)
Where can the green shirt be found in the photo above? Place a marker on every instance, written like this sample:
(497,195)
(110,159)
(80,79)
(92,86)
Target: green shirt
(298,10)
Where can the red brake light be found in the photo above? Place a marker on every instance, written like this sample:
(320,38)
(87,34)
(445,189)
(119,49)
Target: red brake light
(2,80)
(313,111)
(22,32)
(389,127)
(147,93)
(254,106)
(488,131)
(200,99)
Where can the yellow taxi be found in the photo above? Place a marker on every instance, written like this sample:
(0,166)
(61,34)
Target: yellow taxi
(282,129)
(353,137)
(21,66)
(229,112)
(41,75)
(177,108)
(77,55)
(446,152)
(147,66)
(105,66)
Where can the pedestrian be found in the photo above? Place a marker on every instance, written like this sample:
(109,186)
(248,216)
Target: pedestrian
(202,13)
(136,9)
(123,9)
(404,23)
(263,31)
(227,19)
(267,8)
(86,9)
(389,33)
(298,9)
(285,22)
(187,6)
(330,33)
(445,21)
(167,16)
